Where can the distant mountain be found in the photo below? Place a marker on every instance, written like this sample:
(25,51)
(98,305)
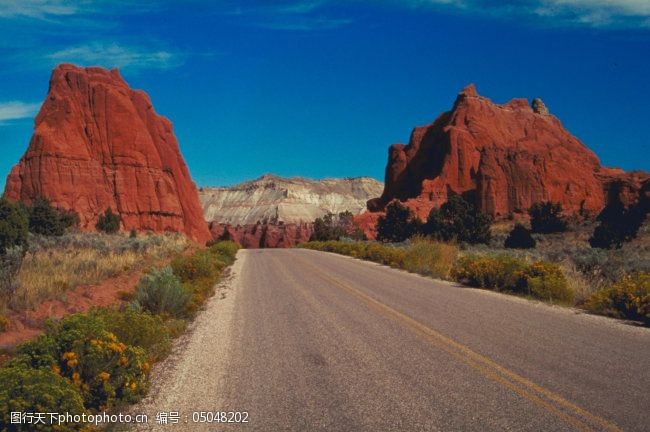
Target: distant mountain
(271,199)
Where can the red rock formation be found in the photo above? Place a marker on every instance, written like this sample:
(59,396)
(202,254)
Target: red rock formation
(256,236)
(97,144)
(504,158)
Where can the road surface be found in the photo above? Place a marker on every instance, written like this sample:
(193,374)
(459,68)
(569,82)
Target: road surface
(311,341)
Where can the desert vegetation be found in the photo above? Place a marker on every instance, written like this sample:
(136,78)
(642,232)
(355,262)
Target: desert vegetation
(42,254)
(49,266)
(335,227)
(100,360)
(600,265)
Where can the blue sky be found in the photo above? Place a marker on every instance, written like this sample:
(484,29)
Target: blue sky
(322,88)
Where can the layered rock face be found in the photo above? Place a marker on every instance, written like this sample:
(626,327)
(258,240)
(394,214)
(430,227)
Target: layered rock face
(265,235)
(273,199)
(98,144)
(503,158)
(272,211)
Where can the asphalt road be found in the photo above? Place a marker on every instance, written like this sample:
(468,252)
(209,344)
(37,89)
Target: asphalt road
(309,341)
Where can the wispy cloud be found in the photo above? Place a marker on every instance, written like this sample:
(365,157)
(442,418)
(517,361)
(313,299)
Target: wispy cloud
(293,15)
(115,55)
(16,110)
(589,13)
(39,9)
(54,9)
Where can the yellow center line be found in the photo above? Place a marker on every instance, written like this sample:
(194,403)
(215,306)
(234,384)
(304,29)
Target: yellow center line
(486,366)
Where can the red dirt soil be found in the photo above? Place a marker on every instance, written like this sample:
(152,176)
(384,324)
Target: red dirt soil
(28,324)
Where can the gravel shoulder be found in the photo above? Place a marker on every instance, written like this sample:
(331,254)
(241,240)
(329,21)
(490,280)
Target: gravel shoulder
(193,374)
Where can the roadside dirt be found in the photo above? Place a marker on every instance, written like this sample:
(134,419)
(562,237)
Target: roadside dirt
(25,325)
(198,365)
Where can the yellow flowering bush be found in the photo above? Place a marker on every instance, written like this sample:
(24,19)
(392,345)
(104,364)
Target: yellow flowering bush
(629,299)
(542,280)
(500,272)
(24,389)
(105,370)
(545,281)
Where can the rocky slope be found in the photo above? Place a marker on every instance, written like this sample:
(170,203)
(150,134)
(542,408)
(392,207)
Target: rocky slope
(272,211)
(273,199)
(502,157)
(97,144)
(263,235)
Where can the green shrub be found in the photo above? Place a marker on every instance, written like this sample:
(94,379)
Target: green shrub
(14,226)
(201,265)
(541,280)
(80,348)
(23,389)
(109,222)
(139,329)
(49,221)
(459,220)
(226,250)
(161,292)
(519,238)
(397,224)
(546,217)
(629,299)
(199,273)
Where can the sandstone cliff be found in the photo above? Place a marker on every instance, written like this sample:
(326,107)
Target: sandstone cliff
(273,199)
(263,235)
(502,157)
(97,144)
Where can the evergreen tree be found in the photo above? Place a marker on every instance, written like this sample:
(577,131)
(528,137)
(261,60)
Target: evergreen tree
(13,225)
(397,225)
(458,220)
(520,238)
(546,218)
(109,222)
(618,224)
(49,221)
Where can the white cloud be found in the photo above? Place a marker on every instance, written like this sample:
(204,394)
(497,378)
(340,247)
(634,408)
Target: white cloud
(37,8)
(600,13)
(592,13)
(114,55)
(15,110)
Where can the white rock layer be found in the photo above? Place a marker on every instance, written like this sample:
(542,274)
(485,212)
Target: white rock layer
(272,199)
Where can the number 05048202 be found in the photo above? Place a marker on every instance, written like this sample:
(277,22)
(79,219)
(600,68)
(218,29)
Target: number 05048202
(220,417)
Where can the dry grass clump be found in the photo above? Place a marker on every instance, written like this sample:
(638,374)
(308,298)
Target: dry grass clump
(430,258)
(419,255)
(54,265)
